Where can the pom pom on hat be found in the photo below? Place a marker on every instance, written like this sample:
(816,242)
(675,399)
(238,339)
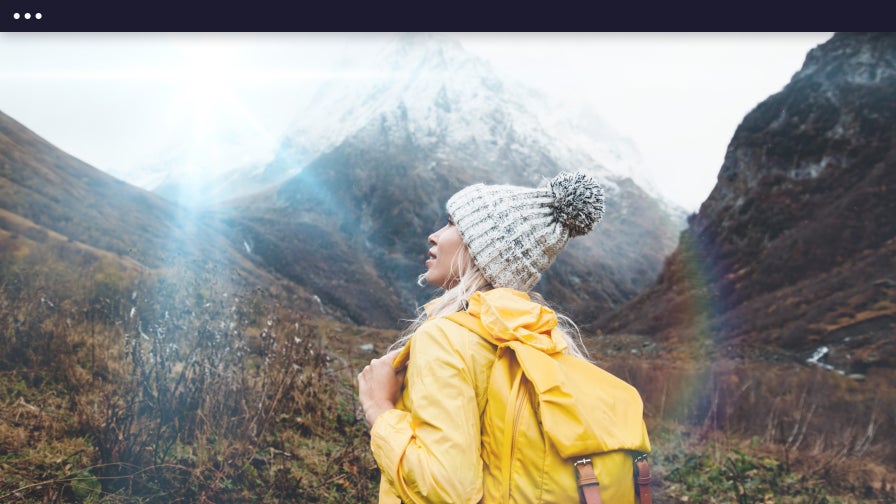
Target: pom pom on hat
(514,233)
(578,202)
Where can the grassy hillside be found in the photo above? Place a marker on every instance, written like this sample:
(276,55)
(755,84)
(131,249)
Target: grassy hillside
(177,392)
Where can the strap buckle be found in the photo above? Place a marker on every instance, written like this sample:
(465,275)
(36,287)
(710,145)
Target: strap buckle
(584,461)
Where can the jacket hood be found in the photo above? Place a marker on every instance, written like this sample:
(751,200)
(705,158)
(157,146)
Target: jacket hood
(510,315)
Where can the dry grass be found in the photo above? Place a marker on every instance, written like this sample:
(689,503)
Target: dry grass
(820,429)
(173,392)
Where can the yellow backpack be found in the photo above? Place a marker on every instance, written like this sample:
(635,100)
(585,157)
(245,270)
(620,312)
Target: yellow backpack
(579,417)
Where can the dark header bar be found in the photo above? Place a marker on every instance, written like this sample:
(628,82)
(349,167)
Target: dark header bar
(453,16)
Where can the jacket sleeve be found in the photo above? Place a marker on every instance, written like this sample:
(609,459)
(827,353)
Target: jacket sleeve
(431,453)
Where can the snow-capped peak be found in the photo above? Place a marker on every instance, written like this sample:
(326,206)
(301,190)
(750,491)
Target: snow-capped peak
(450,99)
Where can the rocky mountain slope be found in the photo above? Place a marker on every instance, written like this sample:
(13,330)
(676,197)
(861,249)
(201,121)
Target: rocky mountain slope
(795,248)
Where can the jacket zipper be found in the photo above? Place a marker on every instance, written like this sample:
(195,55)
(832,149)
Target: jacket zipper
(521,395)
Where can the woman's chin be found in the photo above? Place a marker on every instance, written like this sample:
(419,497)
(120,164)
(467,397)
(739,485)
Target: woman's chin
(429,280)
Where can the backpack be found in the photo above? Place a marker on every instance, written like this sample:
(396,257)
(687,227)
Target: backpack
(584,425)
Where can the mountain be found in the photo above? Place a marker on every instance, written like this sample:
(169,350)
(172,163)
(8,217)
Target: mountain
(795,248)
(383,159)
(407,73)
(62,218)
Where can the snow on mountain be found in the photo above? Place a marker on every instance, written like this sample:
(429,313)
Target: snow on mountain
(454,100)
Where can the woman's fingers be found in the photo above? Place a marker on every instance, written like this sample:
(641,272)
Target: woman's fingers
(379,386)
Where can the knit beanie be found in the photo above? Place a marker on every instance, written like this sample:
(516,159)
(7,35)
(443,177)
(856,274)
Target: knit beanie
(514,233)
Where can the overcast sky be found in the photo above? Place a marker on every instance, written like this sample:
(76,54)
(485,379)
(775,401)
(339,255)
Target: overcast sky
(124,101)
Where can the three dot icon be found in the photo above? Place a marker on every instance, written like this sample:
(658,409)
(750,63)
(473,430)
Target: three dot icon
(27,15)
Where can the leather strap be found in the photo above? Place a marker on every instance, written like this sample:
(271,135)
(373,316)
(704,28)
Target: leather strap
(589,487)
(642,489)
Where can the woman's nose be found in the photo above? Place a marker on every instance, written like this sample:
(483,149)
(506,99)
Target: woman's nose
(433,238)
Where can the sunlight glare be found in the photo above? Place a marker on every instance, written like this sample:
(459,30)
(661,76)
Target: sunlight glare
(209,82)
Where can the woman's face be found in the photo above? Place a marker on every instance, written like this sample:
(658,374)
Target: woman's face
(444,263)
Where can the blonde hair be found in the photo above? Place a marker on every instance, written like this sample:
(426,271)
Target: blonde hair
(470,280)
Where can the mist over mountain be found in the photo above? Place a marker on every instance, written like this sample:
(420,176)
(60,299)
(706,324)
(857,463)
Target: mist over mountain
(438,119)
(795,248)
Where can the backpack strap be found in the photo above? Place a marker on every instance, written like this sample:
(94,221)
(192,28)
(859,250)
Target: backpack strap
(642,478)
(589,487)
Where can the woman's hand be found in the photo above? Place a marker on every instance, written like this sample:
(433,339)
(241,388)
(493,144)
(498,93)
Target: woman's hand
(379,386)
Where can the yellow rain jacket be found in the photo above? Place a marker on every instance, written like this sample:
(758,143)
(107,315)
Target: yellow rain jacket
(492,411)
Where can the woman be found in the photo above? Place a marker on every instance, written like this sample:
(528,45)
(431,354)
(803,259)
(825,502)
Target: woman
(460,410)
